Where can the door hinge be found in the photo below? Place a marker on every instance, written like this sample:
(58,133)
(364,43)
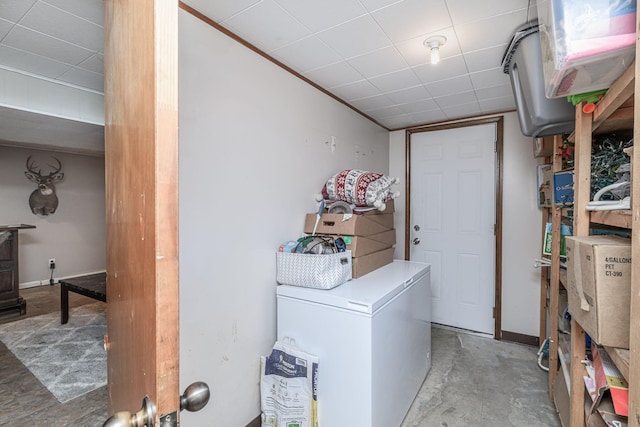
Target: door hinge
(494,312)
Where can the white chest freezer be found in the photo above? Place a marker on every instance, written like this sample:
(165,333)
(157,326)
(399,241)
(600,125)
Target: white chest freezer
(372,336)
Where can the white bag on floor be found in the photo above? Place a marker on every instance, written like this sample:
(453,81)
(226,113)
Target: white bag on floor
(288,387)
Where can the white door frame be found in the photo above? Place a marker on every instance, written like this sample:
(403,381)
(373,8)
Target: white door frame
(499,122)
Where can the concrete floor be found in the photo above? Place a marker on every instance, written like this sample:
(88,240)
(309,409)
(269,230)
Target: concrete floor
(477,381)
(474,381)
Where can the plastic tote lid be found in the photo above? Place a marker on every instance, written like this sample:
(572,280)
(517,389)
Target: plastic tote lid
(522,32)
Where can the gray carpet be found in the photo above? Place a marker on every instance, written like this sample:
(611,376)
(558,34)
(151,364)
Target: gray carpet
(69,360)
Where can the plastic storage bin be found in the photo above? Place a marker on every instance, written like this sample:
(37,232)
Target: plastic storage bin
(538,115)
(586,44)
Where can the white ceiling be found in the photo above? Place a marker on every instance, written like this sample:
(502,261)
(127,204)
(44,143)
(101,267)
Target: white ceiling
(368,53)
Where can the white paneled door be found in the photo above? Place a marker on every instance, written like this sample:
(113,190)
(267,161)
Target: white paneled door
(453,215)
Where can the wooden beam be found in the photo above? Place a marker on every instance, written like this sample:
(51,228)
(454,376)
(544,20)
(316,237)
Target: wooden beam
(141,141)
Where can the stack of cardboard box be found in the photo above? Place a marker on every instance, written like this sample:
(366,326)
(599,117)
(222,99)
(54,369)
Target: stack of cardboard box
(370,235)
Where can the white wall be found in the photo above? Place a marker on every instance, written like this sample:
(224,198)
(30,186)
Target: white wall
(521,226)
(253,152)
(75,234)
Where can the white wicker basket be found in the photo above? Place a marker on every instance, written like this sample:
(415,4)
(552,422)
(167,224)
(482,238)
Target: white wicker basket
(323,271)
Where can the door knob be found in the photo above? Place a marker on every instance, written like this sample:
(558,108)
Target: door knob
(416,241)
(143,418)
(195,397)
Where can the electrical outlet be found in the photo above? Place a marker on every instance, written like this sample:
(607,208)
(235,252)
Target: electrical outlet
(52,263)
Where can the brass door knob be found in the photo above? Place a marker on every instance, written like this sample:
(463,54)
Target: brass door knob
(143,418)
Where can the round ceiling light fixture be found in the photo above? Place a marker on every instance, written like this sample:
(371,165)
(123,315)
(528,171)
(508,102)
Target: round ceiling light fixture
(434,43)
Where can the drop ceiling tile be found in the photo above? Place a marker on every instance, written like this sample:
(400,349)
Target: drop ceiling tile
(372,5)
(30,62)
(456,99)
(446,68)
(411,18)
(84,78)
(488,78)
(54,22)
(397,122)
(485,58)
(381,113)
(306,54)
(267,26)
(337,74)
(372,103)
(219,10)
(94,63)
(415,53)
(465,11)
(430,116)
(378,62)
(412,94)
(319,16)
(395,81)
(490,32)
(40,44)
(497,104)
(13,10)
(91,10)
(465,110)
(419,106)
(359,89)
(5,27)
(450,86)
(494,92)
(355,37)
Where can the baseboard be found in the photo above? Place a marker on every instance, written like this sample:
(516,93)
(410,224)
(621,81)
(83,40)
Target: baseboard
(520,338)
(255,422)
(27,285)
(36,283)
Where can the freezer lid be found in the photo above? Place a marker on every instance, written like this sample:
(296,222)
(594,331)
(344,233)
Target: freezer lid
(365,294)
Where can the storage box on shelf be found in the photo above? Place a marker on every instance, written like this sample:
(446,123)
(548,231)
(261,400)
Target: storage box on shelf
(538,115)
(599,286)
(586,45)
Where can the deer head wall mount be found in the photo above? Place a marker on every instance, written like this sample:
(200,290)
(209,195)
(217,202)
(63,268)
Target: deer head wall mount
(43,200)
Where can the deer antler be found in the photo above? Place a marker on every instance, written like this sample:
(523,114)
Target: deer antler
(59,167)
(31,166)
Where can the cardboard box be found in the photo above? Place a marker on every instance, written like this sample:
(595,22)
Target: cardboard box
(385,220)
(563,188)
(359,245)
(387,237)
(599,287)
(608,378)
(352,225)
(602,408)
(367,263)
